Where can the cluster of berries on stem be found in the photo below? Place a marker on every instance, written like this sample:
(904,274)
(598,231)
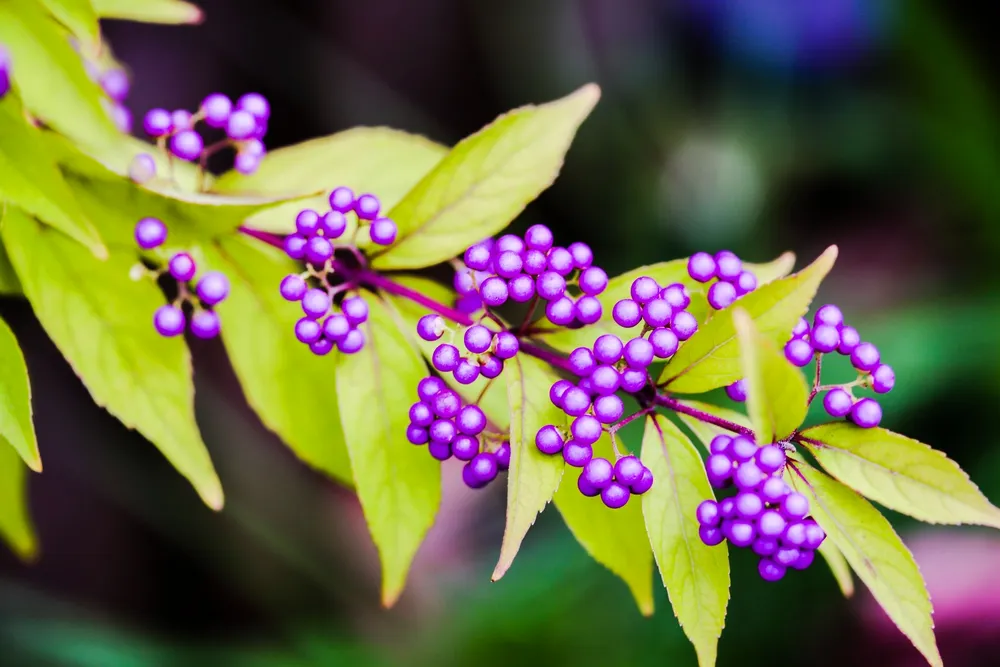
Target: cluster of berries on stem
(197,298)
(764,515)
(728,279)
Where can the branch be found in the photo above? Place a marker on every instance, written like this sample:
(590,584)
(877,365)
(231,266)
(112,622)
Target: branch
(672,403)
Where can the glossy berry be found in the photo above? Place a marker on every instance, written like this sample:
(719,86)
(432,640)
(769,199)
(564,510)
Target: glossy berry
(608,409)
(352,342)
(383,231)
(575,402)
(721,295)
(478,339)
(638,353)
(142,168)
(315,303)
(801,328)
(308,330)
(420,414)
(683,324)
(445,357)
(213,288)
(837,402)
(633,380)
(657,312)
(558,390)
(798,352)
(550,285)
(770,570)
(187,145)
(293,288)
(342,199)
(156,122)
(216,109)
(865,357)
(627,313)
(521,288)
(445,403)
(535,262)
(727,265)
(490,366)
(548,440)
(336,327)
(628,470)
(150,233)
(582,255)
(608,349)
(182,267)
(866,413)
(466,372)
(745,283)
(849,340)
(883,379)
(599,473)
(644,289)
(180,119)
(644,483)
(824,338)
(615,495)
(605,380)
(318,251)
(295,246)
(560,260)
(829,315)
(586,429)
(477,257)
(169,321)
(538,237)
(429,387)
(737,391)
(307,222)
(464,447)
(593,280)
(240,125)
(701,267)
(770,458)
(256,104)
(503,455)
(333,224)
(577,454)
(471,420)
(587,309)
(355,309)
(417,435)
(494,291)
(430,327)
(505,345)
(205,324)
(367,206)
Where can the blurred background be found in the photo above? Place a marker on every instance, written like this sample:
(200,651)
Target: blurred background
(755,125)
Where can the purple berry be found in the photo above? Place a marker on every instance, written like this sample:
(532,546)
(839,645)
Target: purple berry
(352,342)
(150,233)
(742,533)
(627,313)
(558,390)
(478,339)
(420,414)
(538,237)
(633,380)
(849,340)
(638,353)
(431,327)
(824,338)
(628,470)
(829,315)
(748,476)
(156,123)
(256,104)
(503,455)
(795,506)
(477,257)
(464,447)
(585,487)
(711,535)
(605,380)
(417,435)
(505,345)
(801,329)
(764,545)
(586,429)
(676,295)
(560,260)
(442,430)
(742,448)
(307,222)
(708,513)
(466,372)
(787,556)
(142,168)
(470,420)
(577,454)
(684,324)
(182,267)
(355,309)
(315,303)
(838,402)
(295,246)
(445,357)
(737,391)
(484,468)
(721,295)
(333,224)
(180,119)
(342,199)
(383,231)
(367,206)
(429,387)
(795,534)
(575,402)
(582,255)
(240,125)
(657,312)
(798,352)
(608,349)
(608,409)
(720,470)
(494,291)
(770,570)
(509,264)
(865,357)
(664,342)
(169,321)
(321,347)
(318,251)
(509,243)
(187,145)
(701,267)
(490,366)
(866,413)
(770,458)
(615,495)
(745,283)
(445,403)
(440,451)
(774,489)
(550,285)
(814,535)
(548,440)
(593,281)
(308,330)
(246,163)
(727,508)
(581,361)
(521,288)
(644,484)
(721,444)
(771,523)
(293,288)
(213,288)
(587,309)
(535,262)
(883,379)
(598,473)
(804,560)
(336,327)
(644,289)
(216,109)
(727,266)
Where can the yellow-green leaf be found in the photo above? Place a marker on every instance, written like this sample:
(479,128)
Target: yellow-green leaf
(695,575)
(102,323)
(705,431)
(50,75)
(271,364)
(901,473)
(777,394)
(30,178)
(874,551)
(149,11)
(768,272)
(9,284)
(77,15)
(710,359)
(485,181)
(841,571)
(533,477)
(614,538)
(379,160)
(15,522)
(399,485)
(15,401)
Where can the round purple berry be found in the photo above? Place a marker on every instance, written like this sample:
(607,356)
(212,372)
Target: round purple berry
(711,535)
(442,430)
(293,288)
(866,413)
(676,295)
(295,246)
(575,402)
(503,455)
(521,288)
(464,447)
(216,109)
(169,321)
(577,454)
(466,372)
(367,206)
(256,104)
(727,265)
(798,352)
(336,327)
(742,448)
(477,257)
(352,342)
(764,545)
(509,243)
(644,289)
(721,295)
(490,366)
(657,312)
(745,283)
(684,324)
(484,468)
(615,495)
(246,163)
(585,487)
(534,262)
(587,309)
(494,291)
(599,473)
(315,303)
(180,119)
(824,338)
(720,444)
(150,233)
(333,224)
(593,281)
(308,330)
(582,255)
(581,361)
(182,267)
(644,484)
(814,535)
(240,125)
(445,357)
(558,390)
(318,251)
(638,353)
(795,506)
(770,570)
(505,345)
(708,513)
(550,285)
(213,288)
(748,476)
(156,122)
(417,435)
(429,387)
(471,420)
(420,414)
(838,402)
(774,489)
(445,403)
(548,440)
(355,309)
(633,380)
(560,260)
(719,468)
(771,523)
(801,329)
(478,339)
(187,145)
(742,533)
(883,379)
(538,237)
(737,391)
(322,347)
(431,327)
(628,470)
(664,342)
(509,264)
(342,199)
(383,231)
(586,429)
(770,458)
(701,267)
(608,349)
(605,380)
(608,409)
(829,315)
(307,222)
(142,168)
(749,505)
(849,340)
(627,313)
(865,357)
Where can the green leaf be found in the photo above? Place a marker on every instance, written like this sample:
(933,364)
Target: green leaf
(901,473)
(485,181)
(777,395)
(30,179)
(149,11)
(15,523)
(695,575)
(77,15)
(398,484)
(51,77)
(490,395)
(9,284)
(704,431)
(664,273)
(15,401)
(379,160)
(271,364)
(834,558)
(533,477)
(102,323)
(710,359)
(874,551)
(615,538)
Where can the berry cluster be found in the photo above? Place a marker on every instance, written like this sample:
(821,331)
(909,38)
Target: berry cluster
(449,428)
(321,329)
(731,280)
(211,289)
(765,514)
(244,124)
(487,350)
(521,269)
(314,233)
(666,323)
(5,82)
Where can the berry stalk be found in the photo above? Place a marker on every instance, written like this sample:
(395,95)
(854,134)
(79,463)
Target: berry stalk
(672,403)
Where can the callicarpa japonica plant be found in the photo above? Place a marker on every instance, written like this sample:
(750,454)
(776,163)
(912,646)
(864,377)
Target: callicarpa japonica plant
(310,262)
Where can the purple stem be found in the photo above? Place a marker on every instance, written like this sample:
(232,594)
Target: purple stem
(392,287)
(551,358)
(266,237)
(672,403)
